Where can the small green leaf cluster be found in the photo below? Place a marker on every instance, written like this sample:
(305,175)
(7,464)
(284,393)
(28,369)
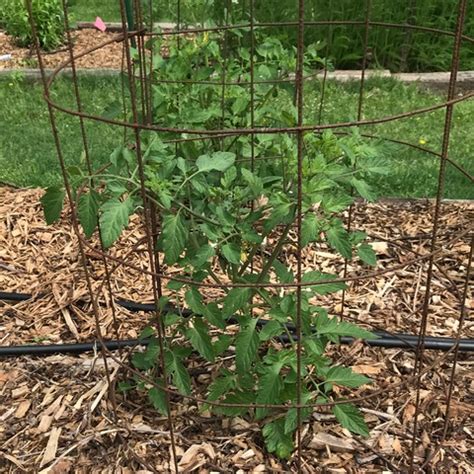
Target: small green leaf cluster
(220,202)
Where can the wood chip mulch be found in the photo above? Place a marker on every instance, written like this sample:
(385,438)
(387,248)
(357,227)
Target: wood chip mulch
(56,413)
(109,56)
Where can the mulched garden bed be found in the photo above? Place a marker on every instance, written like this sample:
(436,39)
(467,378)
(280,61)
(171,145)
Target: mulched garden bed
(108,57)
(55,412)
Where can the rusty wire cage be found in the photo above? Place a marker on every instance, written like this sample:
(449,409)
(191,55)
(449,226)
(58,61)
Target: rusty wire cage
(143,44)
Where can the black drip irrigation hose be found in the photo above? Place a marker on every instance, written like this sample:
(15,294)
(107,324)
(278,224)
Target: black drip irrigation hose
(385,340)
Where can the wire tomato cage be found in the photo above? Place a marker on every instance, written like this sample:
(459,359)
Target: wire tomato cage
(139,38)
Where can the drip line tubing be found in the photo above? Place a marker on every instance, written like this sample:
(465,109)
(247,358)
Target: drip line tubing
(385,340)
(403,341)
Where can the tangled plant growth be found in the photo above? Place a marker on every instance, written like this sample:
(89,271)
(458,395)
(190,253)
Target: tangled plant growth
(220,201)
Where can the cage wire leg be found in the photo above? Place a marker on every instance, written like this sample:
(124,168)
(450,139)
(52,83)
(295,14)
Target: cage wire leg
(299,220)
(68,189)
(462,7)
(452,378)
(328,50)
(462,320)
(85,143)
(150,73)
(148,231)
(144,102)
(224,49)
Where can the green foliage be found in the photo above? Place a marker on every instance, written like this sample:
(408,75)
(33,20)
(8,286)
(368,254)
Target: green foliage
(177,370)
(113,219)
(277,440)
(345,377)
(338,239)
(157,398)
(174,239)
(88,210)
(48,18)
(351,418)
(199,338)
(219,161)
(366,254)
(52,201)
(216,211)
(393,49)
(246,345)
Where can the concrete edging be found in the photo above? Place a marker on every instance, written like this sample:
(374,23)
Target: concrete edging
(433,80)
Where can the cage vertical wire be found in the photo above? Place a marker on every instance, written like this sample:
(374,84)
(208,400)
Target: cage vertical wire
(140,53)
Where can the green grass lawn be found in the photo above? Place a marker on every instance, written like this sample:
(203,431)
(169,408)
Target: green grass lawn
(27,153)
(28,156)
(414,174)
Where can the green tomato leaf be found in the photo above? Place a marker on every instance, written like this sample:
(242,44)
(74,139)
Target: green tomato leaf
(357,237)
(157,398)
(146,333)
(240,104)
(270,330)
(246,345)
(180,376)
(194,301)
(146,360)
(222,344)
(345,377)
(334,328)
(284,274)
(367,255)
(240,397)
(255,183)
(174,237)
(232,253)
(276,440)
(221,386)
(210,311)
(114,219)
(52,202)
(214,315)
(351,418)
(229,177)
(291,418)
(269,388)
(202,256)
(336,203)
(314,346)
(364,189)
(88,210)
(236,299)
(309,229)
(201,341)
(218,161)
(338,239)
(323,288)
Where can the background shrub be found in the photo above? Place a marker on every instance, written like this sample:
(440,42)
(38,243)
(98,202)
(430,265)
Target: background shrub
(48,17)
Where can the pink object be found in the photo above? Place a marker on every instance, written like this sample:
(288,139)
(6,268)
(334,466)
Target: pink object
(99,24)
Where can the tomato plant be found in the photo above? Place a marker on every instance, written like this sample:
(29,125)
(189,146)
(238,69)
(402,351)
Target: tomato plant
(227,208)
